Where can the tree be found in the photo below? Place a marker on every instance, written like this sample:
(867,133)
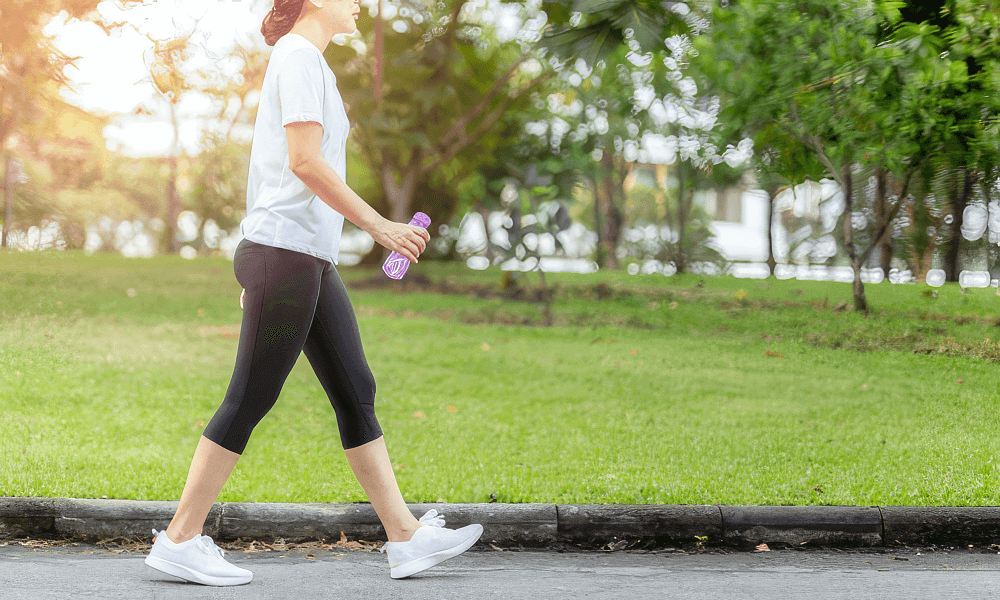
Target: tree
(445,92)
(579,122)
(629,103)
(28,62)
(816,70)
(611,24)
(966,33)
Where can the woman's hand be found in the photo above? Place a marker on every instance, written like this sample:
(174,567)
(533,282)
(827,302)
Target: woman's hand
(409,240)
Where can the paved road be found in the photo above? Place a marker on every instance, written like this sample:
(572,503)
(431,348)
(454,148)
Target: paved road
(89,572)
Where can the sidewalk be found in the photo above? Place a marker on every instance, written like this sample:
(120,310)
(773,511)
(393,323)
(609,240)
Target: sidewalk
(484,574)
(586,526)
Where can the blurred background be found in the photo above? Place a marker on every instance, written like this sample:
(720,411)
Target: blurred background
(847,141)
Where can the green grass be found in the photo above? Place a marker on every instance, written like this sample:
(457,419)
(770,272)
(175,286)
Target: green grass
(738,391)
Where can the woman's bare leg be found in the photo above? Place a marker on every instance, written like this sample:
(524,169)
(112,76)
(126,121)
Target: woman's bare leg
(371,466)
(210,468)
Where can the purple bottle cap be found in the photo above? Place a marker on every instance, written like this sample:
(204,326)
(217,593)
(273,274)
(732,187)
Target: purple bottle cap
(420,220)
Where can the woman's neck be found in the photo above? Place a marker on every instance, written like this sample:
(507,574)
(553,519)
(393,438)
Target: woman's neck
(312,29)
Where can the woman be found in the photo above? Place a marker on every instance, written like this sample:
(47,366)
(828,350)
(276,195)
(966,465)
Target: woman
(294,301)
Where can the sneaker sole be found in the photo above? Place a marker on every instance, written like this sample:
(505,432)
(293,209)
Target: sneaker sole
(422,564)
(187,574)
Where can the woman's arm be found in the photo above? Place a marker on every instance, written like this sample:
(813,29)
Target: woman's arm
(306,161)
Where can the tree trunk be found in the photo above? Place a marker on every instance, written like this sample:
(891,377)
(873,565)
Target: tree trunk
(598,190)
(881,213)
(959,202)
(173,201)
(771,263)
(860,303)
(613,216)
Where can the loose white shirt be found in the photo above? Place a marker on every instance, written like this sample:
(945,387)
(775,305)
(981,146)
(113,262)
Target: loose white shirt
(281,210)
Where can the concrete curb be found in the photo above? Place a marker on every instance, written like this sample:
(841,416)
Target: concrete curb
(590,526)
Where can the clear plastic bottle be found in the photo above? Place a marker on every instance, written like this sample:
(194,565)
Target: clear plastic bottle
(395,266)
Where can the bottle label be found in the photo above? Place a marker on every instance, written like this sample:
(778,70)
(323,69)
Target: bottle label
(395,266)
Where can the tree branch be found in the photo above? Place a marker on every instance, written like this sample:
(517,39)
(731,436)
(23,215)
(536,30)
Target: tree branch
(814,142)
(462,140)
(465,119)
(884,227)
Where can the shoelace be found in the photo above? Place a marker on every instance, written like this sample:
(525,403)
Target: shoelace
(431,518)
(211,547)
(205,541)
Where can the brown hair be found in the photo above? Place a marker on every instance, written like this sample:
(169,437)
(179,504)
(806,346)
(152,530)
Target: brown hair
(280,20)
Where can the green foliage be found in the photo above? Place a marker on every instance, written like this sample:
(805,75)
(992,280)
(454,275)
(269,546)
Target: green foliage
(601,31)
(439,120)
(219,182)
(692,245)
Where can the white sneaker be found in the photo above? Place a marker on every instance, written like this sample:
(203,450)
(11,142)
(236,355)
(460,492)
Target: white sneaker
(430,545)
(197,560)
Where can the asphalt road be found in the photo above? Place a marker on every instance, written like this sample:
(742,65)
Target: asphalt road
(90,572)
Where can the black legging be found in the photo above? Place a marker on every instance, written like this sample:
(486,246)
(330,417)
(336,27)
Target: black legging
(294,302)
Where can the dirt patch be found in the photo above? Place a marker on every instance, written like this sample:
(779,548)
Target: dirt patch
(517,290)
(420,283)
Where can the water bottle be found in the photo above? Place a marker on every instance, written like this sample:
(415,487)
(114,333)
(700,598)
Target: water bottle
(395,266)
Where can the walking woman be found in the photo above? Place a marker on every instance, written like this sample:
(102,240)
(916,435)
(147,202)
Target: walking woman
(295,301)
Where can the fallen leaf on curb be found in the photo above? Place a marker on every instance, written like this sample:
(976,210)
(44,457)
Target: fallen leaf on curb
(254,547)
(763,548)
(495,547)
(774,354)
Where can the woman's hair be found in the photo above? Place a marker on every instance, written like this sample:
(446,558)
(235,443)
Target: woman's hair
(280,20)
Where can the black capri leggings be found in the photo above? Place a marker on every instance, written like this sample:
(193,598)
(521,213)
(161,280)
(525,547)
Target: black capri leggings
(294,302)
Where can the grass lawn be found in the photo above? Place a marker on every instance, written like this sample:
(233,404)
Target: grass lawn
(680,390)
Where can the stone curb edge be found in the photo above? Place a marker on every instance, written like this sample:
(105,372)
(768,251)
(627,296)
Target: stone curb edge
(590,526)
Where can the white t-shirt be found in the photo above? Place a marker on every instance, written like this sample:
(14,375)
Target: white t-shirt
(281,210)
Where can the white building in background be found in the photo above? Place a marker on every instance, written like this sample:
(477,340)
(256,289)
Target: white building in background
(802,224)
(739,214)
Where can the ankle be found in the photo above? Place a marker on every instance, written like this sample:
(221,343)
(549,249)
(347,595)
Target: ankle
(403,535)
(177,536)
